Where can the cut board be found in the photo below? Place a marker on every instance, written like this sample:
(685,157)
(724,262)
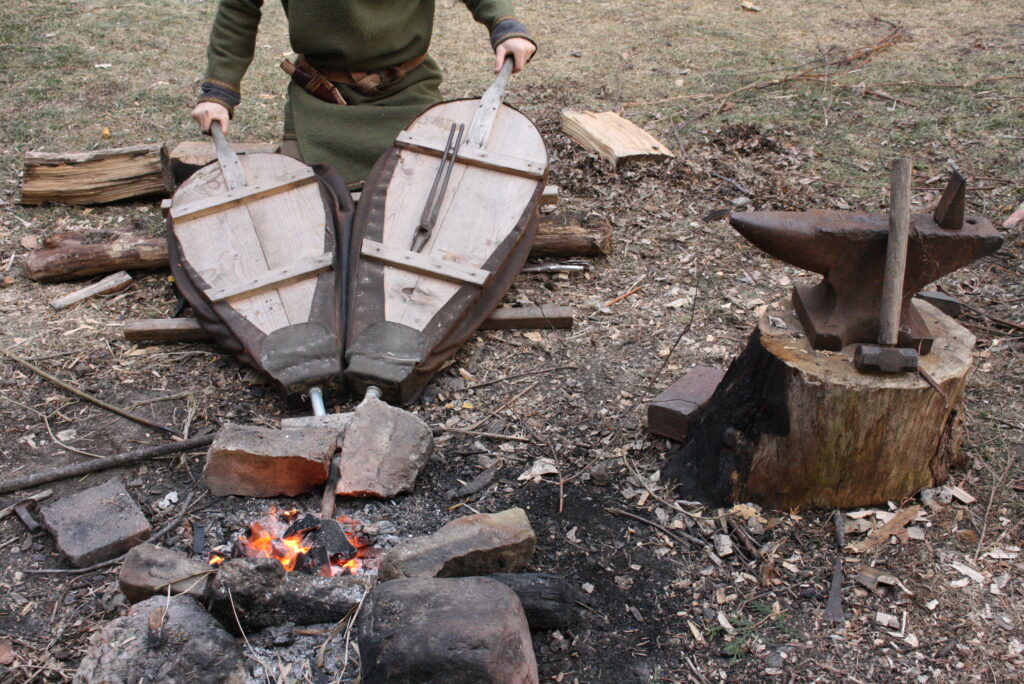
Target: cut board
(612,137)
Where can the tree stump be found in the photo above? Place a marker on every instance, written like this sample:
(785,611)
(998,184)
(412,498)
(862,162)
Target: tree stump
(790,427)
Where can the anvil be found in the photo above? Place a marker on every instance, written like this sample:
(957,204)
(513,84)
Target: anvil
(848,249)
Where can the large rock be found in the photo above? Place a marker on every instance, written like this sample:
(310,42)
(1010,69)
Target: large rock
(474,545)
(96,524)
(246,460)
(383,451)
(184,646)
(149,570)
(469,630)
(262,594)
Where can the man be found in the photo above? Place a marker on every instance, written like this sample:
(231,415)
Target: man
(369,54)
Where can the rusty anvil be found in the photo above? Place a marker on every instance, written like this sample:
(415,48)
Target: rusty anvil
(849,248)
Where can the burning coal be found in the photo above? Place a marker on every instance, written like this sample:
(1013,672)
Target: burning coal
(305,543)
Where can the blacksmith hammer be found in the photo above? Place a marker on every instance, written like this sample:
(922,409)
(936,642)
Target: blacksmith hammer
(886,356)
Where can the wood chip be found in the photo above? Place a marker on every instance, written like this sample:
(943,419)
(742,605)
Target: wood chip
(612,137)
(887,620)
(969,572)
(961,495)
(895,527)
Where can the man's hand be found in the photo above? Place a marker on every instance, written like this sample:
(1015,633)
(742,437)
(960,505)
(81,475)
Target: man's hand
(519,49)
(208,112)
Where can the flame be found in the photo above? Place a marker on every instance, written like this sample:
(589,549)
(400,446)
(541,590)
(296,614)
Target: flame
(261,542)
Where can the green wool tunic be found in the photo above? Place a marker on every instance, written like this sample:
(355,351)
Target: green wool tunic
(344,35)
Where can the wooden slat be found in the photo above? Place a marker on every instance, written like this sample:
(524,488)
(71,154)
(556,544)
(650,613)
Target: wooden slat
(502,318)
(423,264)
(472,156)
(112,283)
(247,193)
(547,316)
(612,137)
(272,279)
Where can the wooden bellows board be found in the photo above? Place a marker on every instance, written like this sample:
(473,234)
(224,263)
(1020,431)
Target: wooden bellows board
(252,241)
(474,170)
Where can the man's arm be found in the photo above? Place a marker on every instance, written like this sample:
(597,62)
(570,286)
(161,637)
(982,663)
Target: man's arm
(230,51)
(509,36)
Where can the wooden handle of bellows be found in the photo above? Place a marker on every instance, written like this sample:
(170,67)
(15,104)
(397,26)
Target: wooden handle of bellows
(896,252)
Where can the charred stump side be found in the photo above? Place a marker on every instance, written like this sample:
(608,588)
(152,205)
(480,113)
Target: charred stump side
(791,427)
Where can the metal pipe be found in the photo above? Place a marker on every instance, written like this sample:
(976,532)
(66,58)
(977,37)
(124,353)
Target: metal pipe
(316,399)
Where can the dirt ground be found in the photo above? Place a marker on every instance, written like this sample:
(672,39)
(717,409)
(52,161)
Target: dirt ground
(799,105)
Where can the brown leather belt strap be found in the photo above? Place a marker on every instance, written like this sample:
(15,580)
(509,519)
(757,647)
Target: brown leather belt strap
(371,82)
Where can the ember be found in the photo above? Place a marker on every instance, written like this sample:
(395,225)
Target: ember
(304,543)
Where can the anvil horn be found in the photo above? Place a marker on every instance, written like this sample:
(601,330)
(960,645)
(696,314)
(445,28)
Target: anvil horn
(949,213)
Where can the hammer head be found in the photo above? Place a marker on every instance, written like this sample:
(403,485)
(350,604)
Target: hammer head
(874,357)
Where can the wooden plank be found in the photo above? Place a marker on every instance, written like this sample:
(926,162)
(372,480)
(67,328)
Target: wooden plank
(423,264)
(112,283)
(549,198)
(612,137)
(530,317)
(272,279)
(502,318)
(246,193)
(164,330)
(472,156)
(97,177)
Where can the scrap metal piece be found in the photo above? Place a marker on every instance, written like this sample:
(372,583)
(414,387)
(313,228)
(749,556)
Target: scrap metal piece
(848,249)
(885,359)
(949,213)
(24,510)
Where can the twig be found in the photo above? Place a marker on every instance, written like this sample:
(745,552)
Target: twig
(76,469)
(490,435)
(682,537)
(571,366)
(988,509)
(84,395)
(734,183)
(154,538)
(636,287)
(558,467)
(505,405)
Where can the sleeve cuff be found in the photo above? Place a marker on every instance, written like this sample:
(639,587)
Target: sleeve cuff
(221,93)
(509,27)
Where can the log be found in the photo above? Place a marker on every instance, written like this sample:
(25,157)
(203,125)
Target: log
(98,177)
(115,282)
(503,318)
(571,236)
(549,601)
(612,138)
(69,256)
(789,427)
(188,157)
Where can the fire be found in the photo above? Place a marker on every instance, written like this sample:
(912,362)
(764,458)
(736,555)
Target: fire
(265,539)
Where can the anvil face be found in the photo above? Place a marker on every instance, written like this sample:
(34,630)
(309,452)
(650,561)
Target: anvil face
(849,250)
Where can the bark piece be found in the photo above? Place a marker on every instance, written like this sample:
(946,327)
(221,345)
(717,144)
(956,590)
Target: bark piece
(97,177)
(191,155)
(549,601)
(246,460)
(571,235)
(468,630)
(149,570)
(115,282)
(612,138)
(669,414)
(69,256)
(96,524)
(157,641)
(790,427)
(472,545)
(264,595)
(895,527)
(383,450)
(164,330)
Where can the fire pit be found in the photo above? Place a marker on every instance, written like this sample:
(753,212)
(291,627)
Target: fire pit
(306,543)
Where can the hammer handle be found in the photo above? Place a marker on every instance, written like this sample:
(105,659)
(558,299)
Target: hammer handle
(895,253)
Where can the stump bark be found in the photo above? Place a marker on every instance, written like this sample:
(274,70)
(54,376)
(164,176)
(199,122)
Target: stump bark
(790,427)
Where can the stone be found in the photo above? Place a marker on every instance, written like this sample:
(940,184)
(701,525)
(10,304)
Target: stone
(469,630)
(672,411)
(96,524)
(182,646)
(383,451)
(148,570)
(264,595)
(335,421)
(246,460)
(473,545)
